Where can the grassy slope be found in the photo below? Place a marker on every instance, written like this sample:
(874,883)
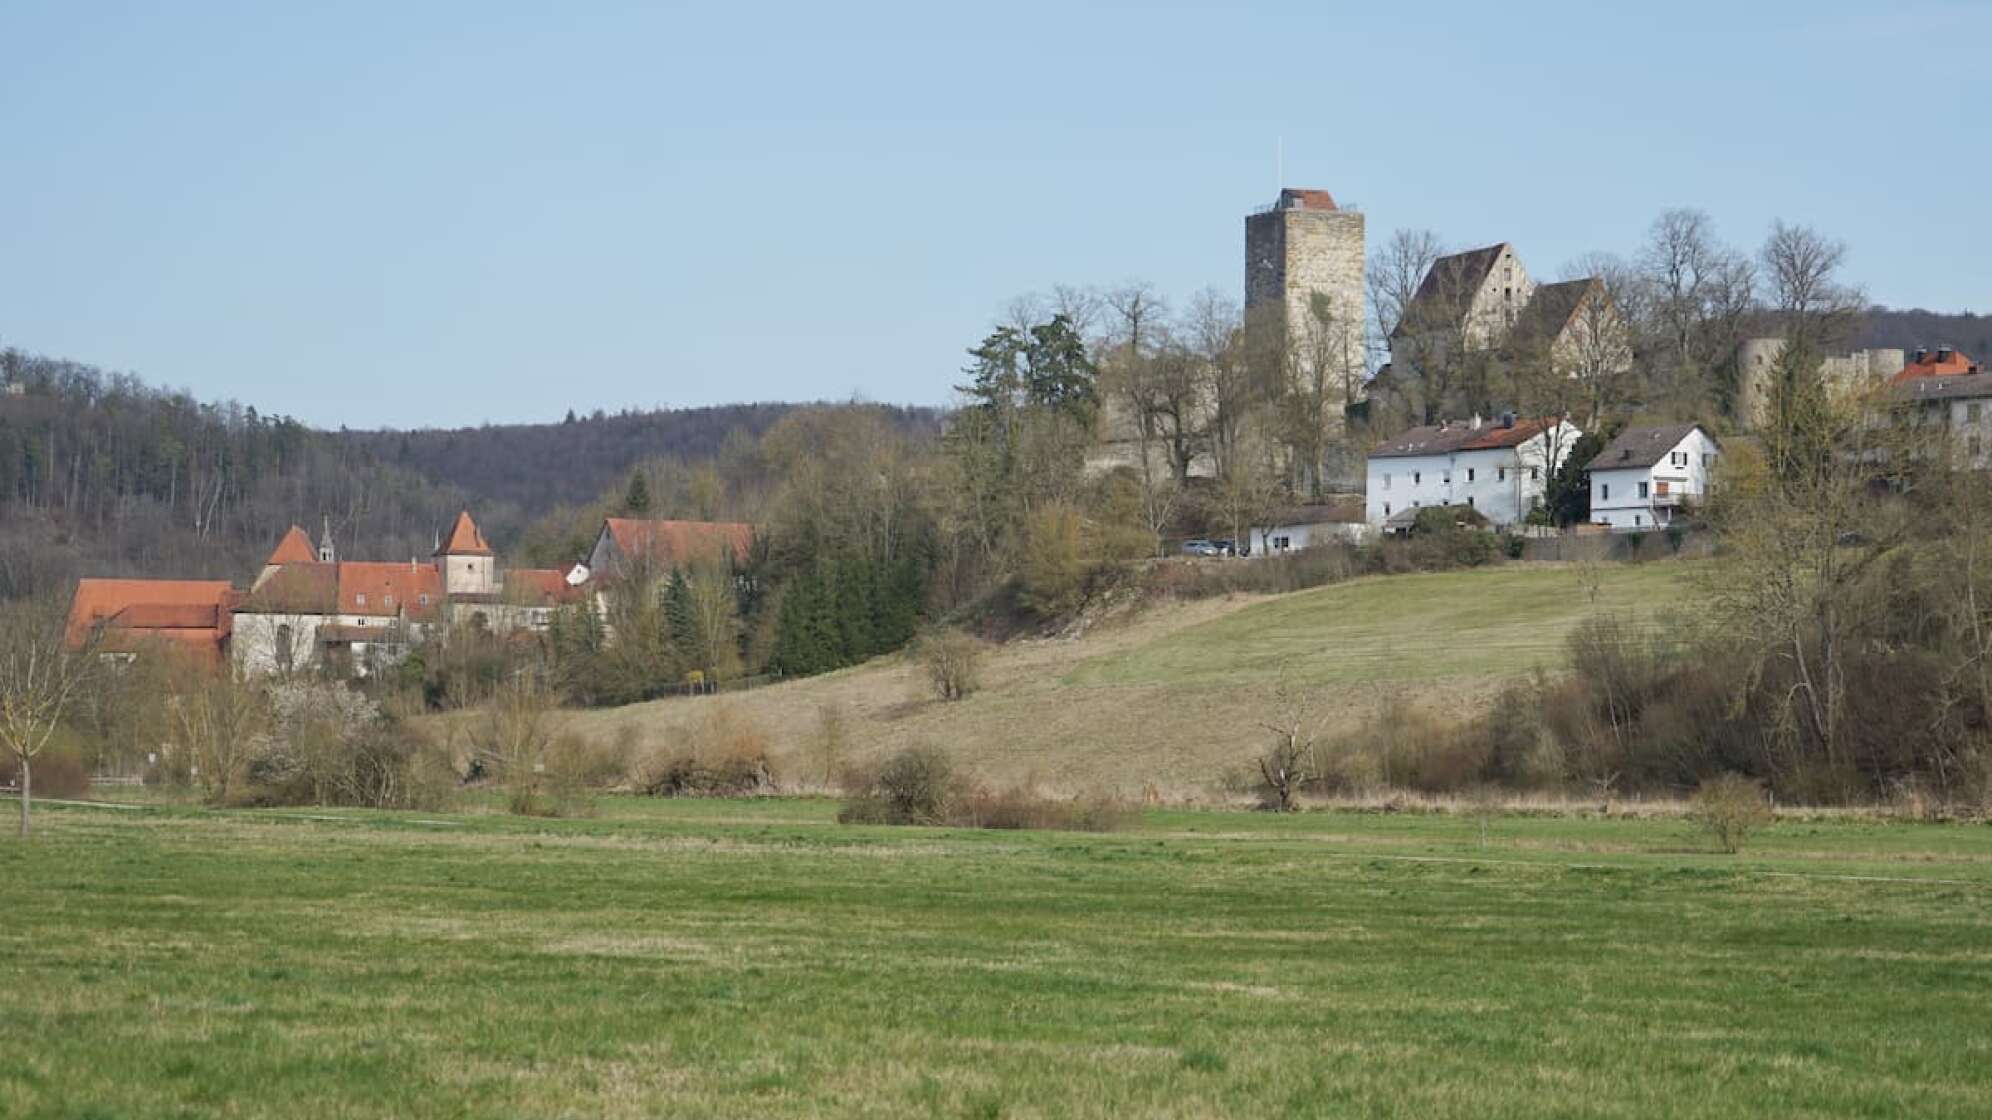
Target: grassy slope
(751,959)
(1167,698)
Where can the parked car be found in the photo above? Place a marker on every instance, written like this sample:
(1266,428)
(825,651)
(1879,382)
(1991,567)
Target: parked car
(1225,546)
(1201,548)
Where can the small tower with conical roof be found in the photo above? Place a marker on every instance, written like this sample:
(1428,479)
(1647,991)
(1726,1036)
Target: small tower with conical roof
(467,563)
(326,553)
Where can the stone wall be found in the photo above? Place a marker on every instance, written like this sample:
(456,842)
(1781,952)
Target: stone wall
(1757,358)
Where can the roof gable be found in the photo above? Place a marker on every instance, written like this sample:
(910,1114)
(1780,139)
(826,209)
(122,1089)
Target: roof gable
(389,588)
(1549,311)
(1638,448)
(1938,363)
(465,539)
(1449,287)
(310,588)
(294,548)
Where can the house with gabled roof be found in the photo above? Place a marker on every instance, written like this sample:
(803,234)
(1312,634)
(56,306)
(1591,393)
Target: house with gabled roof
(1646,477)
(625,545)
(1497,468)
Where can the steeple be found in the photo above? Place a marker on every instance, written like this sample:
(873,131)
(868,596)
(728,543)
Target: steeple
(326,553)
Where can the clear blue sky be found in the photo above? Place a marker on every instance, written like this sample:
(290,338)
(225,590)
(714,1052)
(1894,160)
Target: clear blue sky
(436,214)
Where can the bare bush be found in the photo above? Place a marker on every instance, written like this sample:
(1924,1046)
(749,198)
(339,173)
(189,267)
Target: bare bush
(1729,807)
(917,785)
(541,772)
(953,659)
(723,755)
(1290,762)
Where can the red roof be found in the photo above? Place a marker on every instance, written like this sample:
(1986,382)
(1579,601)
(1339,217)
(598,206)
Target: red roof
(305,588)
(464,539)
(374,588)
(540,587)
(1302,198)
(1937,363)
(194,613)
(295,548)
(673,544)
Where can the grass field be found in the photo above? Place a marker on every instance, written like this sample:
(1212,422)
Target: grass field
(1168,698)
(753,959)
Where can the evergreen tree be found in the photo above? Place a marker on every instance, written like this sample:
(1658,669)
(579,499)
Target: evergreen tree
(636,500)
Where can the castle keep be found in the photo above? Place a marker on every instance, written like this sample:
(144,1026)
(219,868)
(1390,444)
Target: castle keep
(1300,247)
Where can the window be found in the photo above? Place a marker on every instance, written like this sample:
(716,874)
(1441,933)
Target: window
(1604,491)
(423,598)
(1386,509)
(1677,458)
(1469,474)
(1417,477)
(1500,474)
(387,601)
(1708,460)
(1642,489)
(1386,480)
(1469,501)
(1637,520)
(1446,479)
(1535,474)
(360,599)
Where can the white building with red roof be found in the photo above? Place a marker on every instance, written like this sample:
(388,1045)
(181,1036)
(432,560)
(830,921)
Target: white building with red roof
(1498,468)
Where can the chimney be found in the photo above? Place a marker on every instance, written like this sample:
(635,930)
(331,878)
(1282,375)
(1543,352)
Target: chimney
(1944,354)
(1508,419)
(1476,421)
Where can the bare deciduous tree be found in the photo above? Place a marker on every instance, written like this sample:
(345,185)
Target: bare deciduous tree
(41,675)
(1290,760)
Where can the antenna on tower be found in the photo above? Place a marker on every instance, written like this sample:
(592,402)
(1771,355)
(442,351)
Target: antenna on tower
(1279,163)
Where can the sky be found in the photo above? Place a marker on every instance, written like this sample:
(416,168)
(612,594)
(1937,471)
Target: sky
(426,215)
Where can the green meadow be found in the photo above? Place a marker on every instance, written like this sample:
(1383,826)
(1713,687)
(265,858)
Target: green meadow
(755,959)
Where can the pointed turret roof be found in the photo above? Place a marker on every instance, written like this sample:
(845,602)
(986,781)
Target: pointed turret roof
(464,539)
(295,548)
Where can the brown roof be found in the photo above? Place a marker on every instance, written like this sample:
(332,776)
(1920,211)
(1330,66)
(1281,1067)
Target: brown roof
(390,588)
(464,539)
(295,548)
(1454,277)
(1942,362)
(194,613)
(1442,439)
(677,543)
(1552,307)
(311,588)
(1636,448)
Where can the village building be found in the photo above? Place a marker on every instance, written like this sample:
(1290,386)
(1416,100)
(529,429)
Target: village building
(1757,360)
(308,608)
(1647,477)
(1296,527)
(1944,361)
(1499,469)
(1956,407)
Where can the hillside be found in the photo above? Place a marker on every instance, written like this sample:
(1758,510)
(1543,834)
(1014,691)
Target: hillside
(536,467)
(1173,695)
(1909,328)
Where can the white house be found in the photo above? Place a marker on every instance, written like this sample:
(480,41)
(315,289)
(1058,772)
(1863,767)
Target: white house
(1645,476)
(1499,468)
(1306,526)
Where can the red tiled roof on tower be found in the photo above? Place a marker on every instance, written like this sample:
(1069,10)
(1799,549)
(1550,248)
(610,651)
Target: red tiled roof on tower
(295,548)
(1304,198)
(464,539)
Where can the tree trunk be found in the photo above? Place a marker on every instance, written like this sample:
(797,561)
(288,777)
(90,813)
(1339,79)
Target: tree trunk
(27,795)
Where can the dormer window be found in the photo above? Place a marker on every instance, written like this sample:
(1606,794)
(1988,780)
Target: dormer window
(387,601)
(423,598)
(360,599)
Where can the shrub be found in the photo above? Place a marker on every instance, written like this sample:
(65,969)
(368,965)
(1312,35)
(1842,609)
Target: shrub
(723,755)
(915,786)
(953,660)
(1514,545)
(1021,807)
(1729,807)
(56,773)
(1052,565)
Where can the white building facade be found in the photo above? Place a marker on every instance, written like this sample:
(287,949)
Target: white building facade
(1498,469)
(1646,477)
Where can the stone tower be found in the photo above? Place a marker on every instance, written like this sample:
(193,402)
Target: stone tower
(1301,245)
(468,565)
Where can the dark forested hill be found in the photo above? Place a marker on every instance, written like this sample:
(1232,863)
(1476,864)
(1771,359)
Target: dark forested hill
(1908,329)
(538,466)
(103,475)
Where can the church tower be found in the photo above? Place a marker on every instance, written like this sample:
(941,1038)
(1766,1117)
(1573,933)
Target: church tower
(469,567)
